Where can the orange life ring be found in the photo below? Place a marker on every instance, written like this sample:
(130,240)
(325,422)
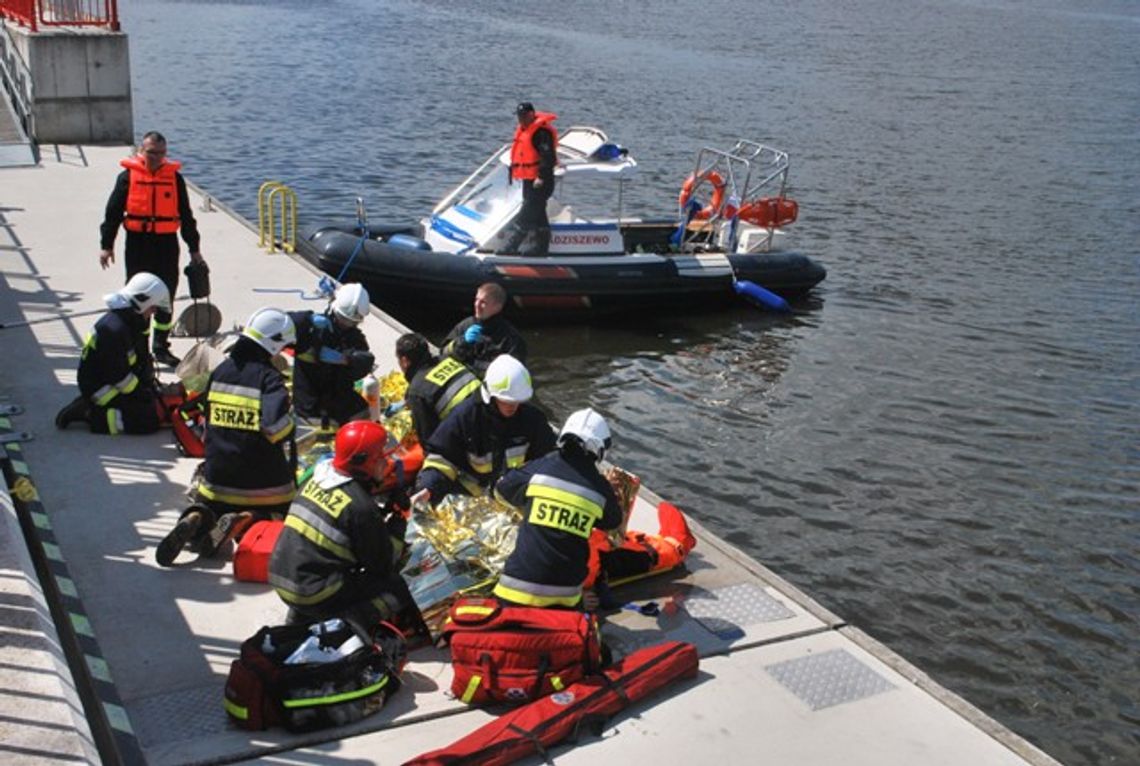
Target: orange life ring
(770,212)
(718,185)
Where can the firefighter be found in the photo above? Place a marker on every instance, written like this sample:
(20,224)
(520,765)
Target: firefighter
(117,388)
(563,497)
(331,355)
(246,474)
(485,436)
(436,385)
(339,552)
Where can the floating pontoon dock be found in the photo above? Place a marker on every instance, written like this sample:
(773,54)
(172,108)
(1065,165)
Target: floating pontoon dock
(111,657)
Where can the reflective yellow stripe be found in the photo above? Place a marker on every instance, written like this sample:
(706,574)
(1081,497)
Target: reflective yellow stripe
(333,699)
(162,326)
(104,395)
(132,358)
(556,683)
(237,400)
(314,536)
(481,463)
(516,456)
(472,687)
(529,599)
(131,385)
(316,598)
(442,465)
(88,344)
(482,611)
(238,497)
(112,422)
(459,398)
(236,710)
(279,430)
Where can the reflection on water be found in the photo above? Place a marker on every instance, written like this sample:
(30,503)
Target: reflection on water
(944,445)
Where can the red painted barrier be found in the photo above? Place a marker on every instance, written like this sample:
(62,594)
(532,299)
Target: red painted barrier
(62,13)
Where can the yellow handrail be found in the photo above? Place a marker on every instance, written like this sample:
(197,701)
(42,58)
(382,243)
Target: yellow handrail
(287,199)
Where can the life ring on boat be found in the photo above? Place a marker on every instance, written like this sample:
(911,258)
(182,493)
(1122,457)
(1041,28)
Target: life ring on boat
(770,212)
(718,185)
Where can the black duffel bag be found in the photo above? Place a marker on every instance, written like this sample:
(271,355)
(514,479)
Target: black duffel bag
(264,690)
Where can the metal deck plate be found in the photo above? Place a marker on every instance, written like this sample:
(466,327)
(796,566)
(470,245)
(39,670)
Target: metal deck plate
(180,715)
(725,611)
(828,679)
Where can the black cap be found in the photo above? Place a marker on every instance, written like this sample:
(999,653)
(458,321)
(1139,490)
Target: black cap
(524,107)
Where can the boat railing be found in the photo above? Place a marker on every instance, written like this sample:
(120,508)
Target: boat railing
(469,183)
(731,179)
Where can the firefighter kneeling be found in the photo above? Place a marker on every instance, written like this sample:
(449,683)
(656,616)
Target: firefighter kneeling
(339,553)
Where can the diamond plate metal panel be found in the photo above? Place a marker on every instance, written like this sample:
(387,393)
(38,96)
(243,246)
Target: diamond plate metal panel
(828,679)
(180,715)
(725,611)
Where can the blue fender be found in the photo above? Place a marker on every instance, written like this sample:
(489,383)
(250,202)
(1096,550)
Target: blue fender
(765,298)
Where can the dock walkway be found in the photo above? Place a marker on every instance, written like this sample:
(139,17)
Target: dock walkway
(782,680)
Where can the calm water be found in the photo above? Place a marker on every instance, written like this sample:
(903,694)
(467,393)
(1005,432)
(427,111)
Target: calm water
(943,446)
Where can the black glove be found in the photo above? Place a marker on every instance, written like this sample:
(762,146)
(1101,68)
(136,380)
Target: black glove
(360,363)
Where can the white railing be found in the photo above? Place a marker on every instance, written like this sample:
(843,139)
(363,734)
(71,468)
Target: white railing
(17,80)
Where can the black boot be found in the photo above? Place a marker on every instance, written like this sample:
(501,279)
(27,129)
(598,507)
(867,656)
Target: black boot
(162,353)
(511,246)
(77,409)
(187,528)
(541,242)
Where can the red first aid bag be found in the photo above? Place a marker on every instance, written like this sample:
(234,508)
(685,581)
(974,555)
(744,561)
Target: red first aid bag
(516,654)
(251,559)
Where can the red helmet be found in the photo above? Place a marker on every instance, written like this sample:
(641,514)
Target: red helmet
(361,447)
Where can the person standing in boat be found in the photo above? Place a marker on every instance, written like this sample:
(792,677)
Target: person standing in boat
(436,385)
(487,334)
(485,436)
(150,201)
(534,154)
(481,338)
(331,355)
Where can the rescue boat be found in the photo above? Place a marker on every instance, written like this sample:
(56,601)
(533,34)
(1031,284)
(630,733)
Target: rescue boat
(729,230)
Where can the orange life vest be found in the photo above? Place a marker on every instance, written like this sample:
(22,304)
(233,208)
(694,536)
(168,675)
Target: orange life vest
(524,157)
(152,198)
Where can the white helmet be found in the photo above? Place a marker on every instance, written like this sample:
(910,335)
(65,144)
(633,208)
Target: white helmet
(351,303)
(590,429)
(141,292)
(272,329)
(508,380)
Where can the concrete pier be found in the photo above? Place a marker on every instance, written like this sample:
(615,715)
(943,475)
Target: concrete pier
(782,679)
(81,83)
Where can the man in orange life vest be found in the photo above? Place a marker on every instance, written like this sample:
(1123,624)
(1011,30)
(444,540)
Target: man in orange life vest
(533,157)
(151,203)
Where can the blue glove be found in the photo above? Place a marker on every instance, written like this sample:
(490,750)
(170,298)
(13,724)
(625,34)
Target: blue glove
(473,333)
(321,322)
(331,356)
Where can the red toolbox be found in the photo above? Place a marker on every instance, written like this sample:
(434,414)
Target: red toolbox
(251,560)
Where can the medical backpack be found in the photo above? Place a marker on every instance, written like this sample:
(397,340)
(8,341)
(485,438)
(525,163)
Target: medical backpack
(516,654)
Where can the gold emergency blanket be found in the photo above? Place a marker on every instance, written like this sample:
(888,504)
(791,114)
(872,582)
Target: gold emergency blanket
(457,548)
(625,485)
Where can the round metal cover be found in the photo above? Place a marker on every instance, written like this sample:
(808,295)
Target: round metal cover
(198,320)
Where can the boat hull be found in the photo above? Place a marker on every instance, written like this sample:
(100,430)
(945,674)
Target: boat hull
(402,275)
